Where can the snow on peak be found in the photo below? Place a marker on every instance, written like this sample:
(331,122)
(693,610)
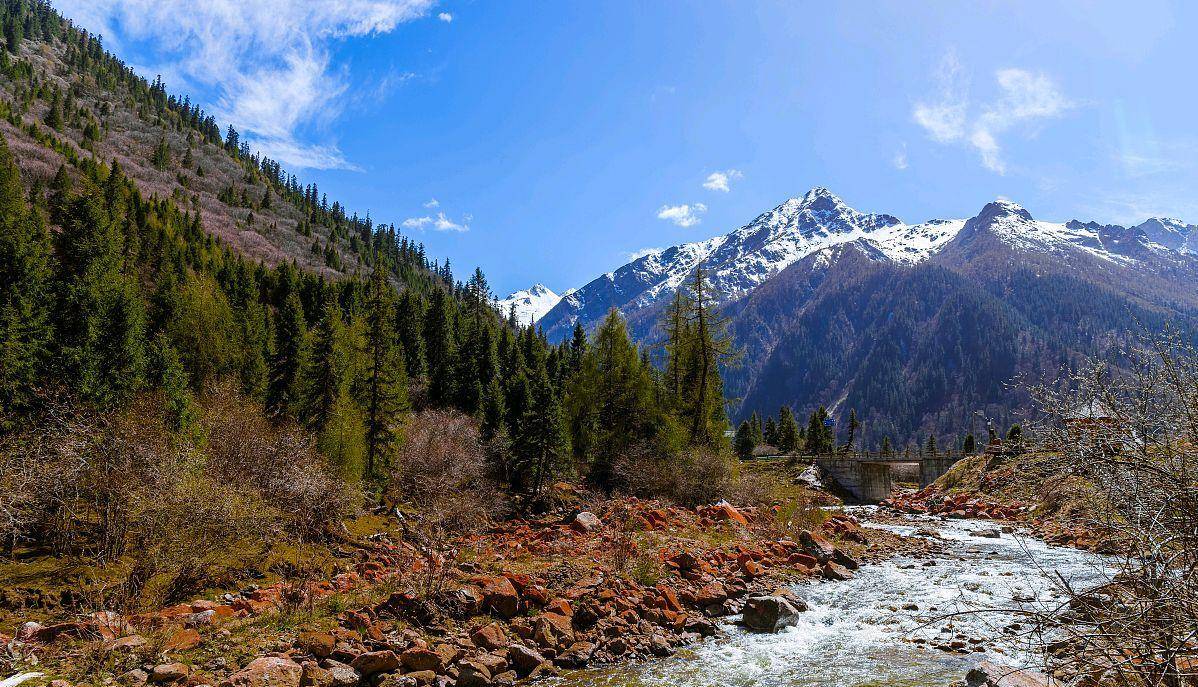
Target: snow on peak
(530,304)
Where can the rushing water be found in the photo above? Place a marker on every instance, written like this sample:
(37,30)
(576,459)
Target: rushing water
(857,633)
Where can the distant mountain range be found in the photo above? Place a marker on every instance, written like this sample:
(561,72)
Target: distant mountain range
(919,327)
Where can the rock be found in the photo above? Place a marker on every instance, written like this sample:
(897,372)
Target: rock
(394,680)
(990,674)
(319,644)
(524,659)
(816,546)
(660,646)
(183,639)
(134,678)
(315,676)
(725,511)
(577,656)
(169,672)
(505,679)
(489,637)
(415,660)
(422,677)
(586,521)
(551,630)
(989,534)
(473,674)
(836,571)
(468,600)
(130,643)
(771,613)
(373,662)
(267,671)
(562,607)
(499,596)
(341,674)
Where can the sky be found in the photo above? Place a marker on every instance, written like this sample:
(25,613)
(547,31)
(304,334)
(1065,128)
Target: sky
(551,141)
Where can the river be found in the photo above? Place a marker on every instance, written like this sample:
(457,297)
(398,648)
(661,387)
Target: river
(857,633)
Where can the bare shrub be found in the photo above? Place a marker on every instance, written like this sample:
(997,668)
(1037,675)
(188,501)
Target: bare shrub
(440,474)
(690,478)
(1135,435)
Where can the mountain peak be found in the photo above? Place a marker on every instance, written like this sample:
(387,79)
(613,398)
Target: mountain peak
(530,304)
(1002,208)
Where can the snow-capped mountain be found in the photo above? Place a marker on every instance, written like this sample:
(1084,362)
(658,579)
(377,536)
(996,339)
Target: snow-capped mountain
(530,304)
(741,261)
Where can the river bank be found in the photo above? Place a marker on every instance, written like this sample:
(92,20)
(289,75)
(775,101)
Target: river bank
(909,620)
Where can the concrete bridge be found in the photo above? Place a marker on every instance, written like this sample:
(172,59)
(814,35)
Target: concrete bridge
(868,476)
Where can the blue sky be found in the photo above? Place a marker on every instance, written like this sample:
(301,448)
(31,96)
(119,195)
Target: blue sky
(548,141)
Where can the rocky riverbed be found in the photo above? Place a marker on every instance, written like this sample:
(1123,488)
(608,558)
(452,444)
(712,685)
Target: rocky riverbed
(905,621)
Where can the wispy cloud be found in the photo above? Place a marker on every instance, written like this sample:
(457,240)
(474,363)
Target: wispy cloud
(899,161)
(267,61)
(445,17)
(718,181)
(1024,97)
(640,253)
(432,203)
(438,223)
(685,215)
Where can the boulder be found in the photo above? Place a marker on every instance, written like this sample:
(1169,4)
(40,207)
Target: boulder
(169,672)
(134,678)
(374,662)
(499,596)
(990,674)
(836,571)
(473,674)
(771,613)
(551,630)
(816,546)
(319,644)
(489,637)
(415,660)
(267,671)
(523,659)
(342,675)
(577,656)
(586,521)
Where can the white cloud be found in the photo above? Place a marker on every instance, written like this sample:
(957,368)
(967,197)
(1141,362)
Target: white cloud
(685,215)
(438,223)
(432,203)
(638,254)
(445,17)
(267,61)
(718,181)
(443,223)
(900,158)
(1024,97)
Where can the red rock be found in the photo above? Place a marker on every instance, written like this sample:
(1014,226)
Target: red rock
(421,659)
(551,630)
(500,596)
(669,598)
(489,637)
(183,639)
(319,644)
(374,662)
(562,607)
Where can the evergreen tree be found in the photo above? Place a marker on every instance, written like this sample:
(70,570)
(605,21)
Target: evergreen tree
(745,441)
(770,433)
(886,447)
(290,357)
(854,425)
(161,159)
(167,371)
(611,402)
(819,439)
(931,448)
(540,443)
(26,296)
(703,346)
(386,393)
(439,348)
(788,431)
(969,445)
(758,432)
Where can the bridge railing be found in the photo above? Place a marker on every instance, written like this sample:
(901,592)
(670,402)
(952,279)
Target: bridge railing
(881,456)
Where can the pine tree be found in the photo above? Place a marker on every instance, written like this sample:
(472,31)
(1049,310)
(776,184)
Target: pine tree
(758,432)
(698,347)
(854,425)
(611,402)
(788,431)
(745,441)
(540,444)
(290,357)
(819,439)
(439,348)
(386,397)
(167,371)
(770,433)
(25,296)
(886,447)
(931,447)
(161,159)
(969,445)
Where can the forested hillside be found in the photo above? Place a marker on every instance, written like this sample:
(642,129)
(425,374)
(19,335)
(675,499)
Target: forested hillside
(177,399)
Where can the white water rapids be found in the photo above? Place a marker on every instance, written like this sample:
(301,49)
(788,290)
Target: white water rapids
(857,633)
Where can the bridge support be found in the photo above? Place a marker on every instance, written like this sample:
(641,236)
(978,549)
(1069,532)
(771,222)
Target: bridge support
(868,478)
